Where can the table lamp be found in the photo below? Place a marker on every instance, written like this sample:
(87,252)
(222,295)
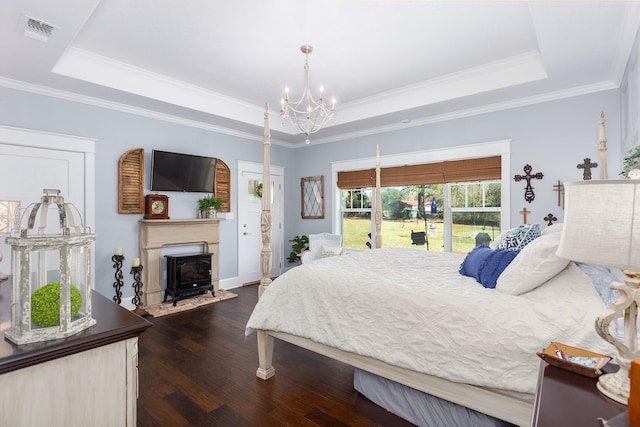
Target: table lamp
(602,227)
(9,219)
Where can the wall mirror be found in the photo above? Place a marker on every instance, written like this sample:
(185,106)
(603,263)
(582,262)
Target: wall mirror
(312,193)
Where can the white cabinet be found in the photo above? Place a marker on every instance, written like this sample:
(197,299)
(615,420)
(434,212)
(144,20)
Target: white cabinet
(89,379)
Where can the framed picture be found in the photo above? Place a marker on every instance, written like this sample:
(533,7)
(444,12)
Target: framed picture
(312,195)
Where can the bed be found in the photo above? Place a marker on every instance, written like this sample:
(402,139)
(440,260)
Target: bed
(410,317)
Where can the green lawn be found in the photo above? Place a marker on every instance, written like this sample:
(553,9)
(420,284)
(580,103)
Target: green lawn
(398,234)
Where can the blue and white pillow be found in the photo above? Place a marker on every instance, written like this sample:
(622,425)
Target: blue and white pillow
(519,237)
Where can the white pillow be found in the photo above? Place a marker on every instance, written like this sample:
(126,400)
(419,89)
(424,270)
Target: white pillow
(534,265)
(329,251)
(555,228)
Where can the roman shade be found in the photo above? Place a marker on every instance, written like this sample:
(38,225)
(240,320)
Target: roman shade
(481,169)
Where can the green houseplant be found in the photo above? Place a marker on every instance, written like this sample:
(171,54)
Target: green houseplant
(300,244)
(209,204)
(631,161)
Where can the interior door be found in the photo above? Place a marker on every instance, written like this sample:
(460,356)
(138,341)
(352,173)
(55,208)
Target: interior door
(33,160)
(249,210)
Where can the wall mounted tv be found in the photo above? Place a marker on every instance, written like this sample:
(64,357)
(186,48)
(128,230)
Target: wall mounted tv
(182,172)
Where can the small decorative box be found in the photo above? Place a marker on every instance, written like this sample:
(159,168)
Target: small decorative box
(574,359)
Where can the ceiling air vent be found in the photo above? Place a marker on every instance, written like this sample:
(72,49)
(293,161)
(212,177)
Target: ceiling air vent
(37,29)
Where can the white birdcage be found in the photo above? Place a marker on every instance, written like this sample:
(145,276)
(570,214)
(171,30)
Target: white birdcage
(51,246)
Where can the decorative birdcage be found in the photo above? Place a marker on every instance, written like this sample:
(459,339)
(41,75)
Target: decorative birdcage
(51,268)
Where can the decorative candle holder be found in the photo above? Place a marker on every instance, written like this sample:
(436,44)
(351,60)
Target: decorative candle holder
(137,287)
(119,283)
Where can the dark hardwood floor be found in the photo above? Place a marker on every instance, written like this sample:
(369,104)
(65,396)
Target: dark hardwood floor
(196,368)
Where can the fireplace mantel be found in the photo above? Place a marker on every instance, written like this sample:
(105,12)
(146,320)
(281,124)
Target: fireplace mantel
(154,234)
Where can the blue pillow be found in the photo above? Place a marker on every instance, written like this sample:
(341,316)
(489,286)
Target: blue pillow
(493,265)
(473,260)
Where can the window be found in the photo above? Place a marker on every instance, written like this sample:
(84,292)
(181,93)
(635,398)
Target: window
(355,217)
(465,182)
(475,214)
(472,216)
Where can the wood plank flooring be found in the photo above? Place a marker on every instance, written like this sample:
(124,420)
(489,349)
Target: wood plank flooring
(197,369)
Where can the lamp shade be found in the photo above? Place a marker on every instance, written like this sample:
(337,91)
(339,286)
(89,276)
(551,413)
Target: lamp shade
(602,223)
(9,215)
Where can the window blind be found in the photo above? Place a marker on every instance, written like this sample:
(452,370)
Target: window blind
(481,169)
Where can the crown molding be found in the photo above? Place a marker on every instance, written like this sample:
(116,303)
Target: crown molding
(123,108)
(490,108)
(508,72)
(522,102)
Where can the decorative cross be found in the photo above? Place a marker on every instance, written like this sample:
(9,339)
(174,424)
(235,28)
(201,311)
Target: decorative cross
(550,219)
(528,191)
(587,165)
(524,213)
(560,189)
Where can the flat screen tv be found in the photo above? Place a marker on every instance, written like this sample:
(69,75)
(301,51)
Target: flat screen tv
(182,172)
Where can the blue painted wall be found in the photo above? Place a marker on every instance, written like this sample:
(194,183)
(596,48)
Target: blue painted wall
(553,137)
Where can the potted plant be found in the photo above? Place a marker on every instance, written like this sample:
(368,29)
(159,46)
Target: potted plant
(631,164)
(209,205)
(300,244)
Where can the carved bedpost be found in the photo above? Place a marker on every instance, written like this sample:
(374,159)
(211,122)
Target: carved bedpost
(265,341)
(378,202)
(603,149)
(266,261)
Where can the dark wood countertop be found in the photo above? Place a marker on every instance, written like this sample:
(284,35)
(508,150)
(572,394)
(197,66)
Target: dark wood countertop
(113,323)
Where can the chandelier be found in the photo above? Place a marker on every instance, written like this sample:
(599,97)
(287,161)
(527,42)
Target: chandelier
(307,114)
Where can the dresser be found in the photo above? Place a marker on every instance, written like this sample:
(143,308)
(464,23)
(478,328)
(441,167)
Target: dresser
(88,379)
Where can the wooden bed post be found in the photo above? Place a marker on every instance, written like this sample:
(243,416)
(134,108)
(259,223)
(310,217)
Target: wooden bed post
(603,148)
(265,217)
(378,202)
(265,341)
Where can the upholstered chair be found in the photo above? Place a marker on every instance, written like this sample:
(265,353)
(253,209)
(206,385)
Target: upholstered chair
(322,245)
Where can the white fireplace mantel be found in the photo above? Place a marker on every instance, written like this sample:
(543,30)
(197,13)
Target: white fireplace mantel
(154,234)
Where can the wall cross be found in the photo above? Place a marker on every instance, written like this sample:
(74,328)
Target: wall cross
(587,165)
(528,176)
(524,213)
(560,189)
(550,219)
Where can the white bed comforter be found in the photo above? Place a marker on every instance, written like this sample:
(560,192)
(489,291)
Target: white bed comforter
(413,309)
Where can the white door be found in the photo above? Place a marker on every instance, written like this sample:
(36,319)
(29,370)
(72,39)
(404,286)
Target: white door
(249,232)
(29,170)
(32,161)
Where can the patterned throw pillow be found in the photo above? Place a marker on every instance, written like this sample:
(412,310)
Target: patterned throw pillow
(329,251)
(520,237)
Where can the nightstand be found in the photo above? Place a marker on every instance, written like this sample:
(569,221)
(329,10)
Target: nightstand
(566,399)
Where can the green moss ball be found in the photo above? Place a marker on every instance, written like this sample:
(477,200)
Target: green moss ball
(45,304)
